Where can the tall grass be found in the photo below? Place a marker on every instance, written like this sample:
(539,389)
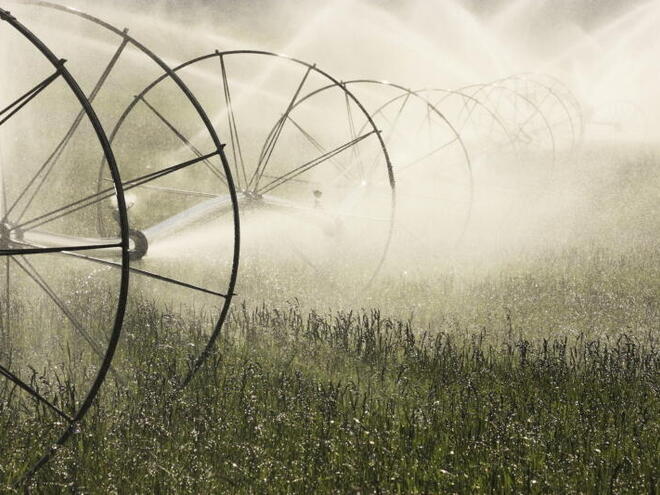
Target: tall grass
(351,402)
(533,371)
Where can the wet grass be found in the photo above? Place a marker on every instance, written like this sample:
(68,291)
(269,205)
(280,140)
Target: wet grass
(535,372)
(296,401)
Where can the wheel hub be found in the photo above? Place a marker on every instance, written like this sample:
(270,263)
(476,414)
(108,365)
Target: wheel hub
(5,235)
(252,196)
(139,245)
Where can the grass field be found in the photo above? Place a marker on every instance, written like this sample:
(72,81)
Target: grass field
(297,401)
(537,371)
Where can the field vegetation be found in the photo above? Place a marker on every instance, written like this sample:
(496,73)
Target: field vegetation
(536,372)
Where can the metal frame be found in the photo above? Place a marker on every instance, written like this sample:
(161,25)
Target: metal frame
(575,122)
(487,88)
(135,237)
(466,100)
(406,95)
(249,186)
(30,249)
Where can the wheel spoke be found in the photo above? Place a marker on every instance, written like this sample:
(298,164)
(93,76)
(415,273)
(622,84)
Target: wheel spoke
(145,273)
(47,167)
(392,125)
(269,147)
(392,131)
(397,117)
(496,104)
(537,111)
(357,156)
(428,121)
(45,250)
(233,127)
(175,190)
(29,269)
(311,164)
(425,121)
(469,111)
(427,155)
(30,390)
(468,107)
(183,139)
(18,104)
(106,193)
(495,119)
(319,147)
(390,134)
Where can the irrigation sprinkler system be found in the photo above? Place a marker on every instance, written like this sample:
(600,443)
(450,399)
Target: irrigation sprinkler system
(323,159)
(482,129)
(527,123)
(317,156)
(557,102)
(432,163)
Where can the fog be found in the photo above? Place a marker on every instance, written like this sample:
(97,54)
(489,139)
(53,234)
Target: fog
(537,109)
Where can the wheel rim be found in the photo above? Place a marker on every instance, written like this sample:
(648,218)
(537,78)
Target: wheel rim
(517,111)
(145,177)
(423,142)
(19,248)
(556,102)
(250,162)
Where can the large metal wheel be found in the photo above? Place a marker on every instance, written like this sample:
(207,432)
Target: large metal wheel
(49,309)
(527,125)
(483,131)
(557,102)
(310,186)
(153,161)
(432,166)
(495,156)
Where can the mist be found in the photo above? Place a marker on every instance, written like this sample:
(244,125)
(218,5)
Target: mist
(297,243)
(583,74)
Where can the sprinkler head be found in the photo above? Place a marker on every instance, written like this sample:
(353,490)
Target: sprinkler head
(130,201)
